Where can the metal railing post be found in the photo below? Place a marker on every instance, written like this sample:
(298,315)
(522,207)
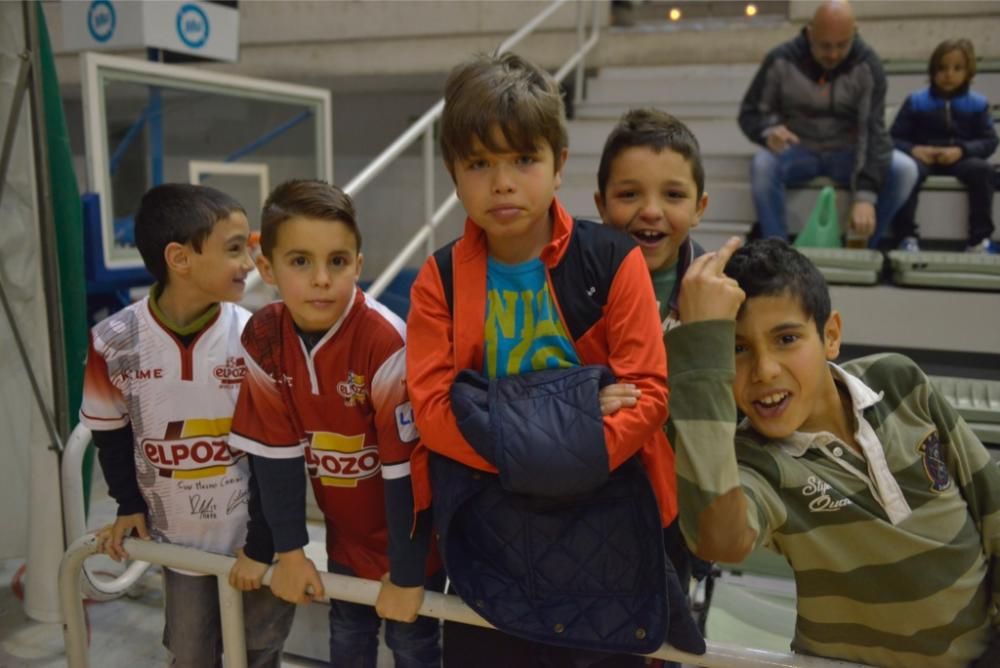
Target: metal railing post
(231,621)
(429,184)
(578,79)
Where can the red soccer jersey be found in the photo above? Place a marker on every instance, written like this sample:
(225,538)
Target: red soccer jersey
(344,406)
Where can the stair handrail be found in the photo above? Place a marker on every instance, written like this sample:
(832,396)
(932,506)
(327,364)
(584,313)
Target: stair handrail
(424,127)
(345,588)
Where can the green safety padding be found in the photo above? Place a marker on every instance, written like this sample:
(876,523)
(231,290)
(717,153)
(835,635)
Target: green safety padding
(68,217)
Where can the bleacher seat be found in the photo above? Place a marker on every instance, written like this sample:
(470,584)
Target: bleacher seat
(852,266)
(940,269)
(977,401)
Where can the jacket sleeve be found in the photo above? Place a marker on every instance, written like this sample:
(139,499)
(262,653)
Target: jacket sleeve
(397,436)
(430,354)
(985,141)
(635,355)
(725,508)
(259,544)
(116,455)
(761,107)
(978,477)
(903,130)
(874,159)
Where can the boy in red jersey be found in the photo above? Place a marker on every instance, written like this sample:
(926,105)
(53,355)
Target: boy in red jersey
(325,391)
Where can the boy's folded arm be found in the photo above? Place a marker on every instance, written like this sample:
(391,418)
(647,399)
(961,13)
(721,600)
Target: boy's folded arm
(430,356)
(116,455)
(636,356)
(542,430)
(716,514)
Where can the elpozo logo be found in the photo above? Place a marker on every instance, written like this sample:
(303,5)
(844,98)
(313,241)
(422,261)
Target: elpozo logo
(192,449)
(339,460)
(192,26)
(101,20)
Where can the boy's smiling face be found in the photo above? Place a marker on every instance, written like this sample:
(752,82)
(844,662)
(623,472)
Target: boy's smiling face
(220,269)
(652,195)
(783,383)
(508,194)
(315,265)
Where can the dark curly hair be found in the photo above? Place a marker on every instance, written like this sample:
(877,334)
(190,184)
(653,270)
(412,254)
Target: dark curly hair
(770,267)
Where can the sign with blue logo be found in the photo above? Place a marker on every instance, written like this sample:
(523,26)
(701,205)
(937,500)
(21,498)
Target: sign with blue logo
(101,20)
(197,28)
(192,26)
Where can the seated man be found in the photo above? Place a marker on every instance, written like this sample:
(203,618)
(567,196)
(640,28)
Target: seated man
(883,501)
(817,106)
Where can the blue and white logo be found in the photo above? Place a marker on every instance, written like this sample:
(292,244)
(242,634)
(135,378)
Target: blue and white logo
(192,25)
(101,20)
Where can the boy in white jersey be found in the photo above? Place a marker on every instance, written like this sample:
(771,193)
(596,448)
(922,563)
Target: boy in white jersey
(159,393)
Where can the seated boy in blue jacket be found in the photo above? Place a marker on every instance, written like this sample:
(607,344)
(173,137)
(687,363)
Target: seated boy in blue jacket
(947,129)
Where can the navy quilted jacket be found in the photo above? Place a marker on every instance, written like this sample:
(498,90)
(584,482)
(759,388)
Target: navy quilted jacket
(929,119)
(555,549)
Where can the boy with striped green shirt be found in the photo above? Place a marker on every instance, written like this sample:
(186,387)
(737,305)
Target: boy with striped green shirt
(878,494)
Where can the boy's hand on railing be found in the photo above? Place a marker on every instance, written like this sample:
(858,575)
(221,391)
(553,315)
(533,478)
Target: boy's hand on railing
(398,603)
(247,574)
(616,396)
(295,578)
(706,292)
(109,539)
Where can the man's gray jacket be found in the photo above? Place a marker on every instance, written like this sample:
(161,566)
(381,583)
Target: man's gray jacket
(828,110)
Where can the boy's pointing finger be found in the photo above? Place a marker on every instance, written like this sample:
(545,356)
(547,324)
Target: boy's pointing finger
(721,257)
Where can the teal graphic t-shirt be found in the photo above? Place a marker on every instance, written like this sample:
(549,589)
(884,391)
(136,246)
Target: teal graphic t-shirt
(523,331)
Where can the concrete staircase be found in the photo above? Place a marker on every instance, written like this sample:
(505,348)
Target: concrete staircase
(706,97)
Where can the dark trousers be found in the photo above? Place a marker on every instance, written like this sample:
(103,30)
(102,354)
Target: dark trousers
(474,647)
(976,175)
(354,633)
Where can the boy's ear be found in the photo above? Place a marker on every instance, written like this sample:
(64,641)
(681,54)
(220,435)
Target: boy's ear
(265,269)
(700,209)
(599,203)
(178,258)
(360,263)
(831,336)
(560,164)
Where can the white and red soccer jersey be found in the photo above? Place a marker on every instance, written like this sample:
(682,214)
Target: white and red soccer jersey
(343,406)
(180,402)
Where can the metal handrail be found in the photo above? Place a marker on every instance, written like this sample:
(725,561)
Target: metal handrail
(94,587)
(424,127)
(425,235)
(345,588)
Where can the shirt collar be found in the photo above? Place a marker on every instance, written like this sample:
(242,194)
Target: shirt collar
(862,397)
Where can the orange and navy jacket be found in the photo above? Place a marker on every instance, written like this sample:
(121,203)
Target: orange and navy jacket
(601,286)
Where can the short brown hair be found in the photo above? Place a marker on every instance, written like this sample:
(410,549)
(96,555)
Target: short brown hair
(947,46)
(305,198)
(656,130)
(178,212)
(505,91)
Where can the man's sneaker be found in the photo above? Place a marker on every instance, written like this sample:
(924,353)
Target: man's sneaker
(910,245)
(986,246)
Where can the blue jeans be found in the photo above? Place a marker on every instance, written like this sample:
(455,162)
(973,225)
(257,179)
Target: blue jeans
(795,166)
(193,633)
(354,633)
